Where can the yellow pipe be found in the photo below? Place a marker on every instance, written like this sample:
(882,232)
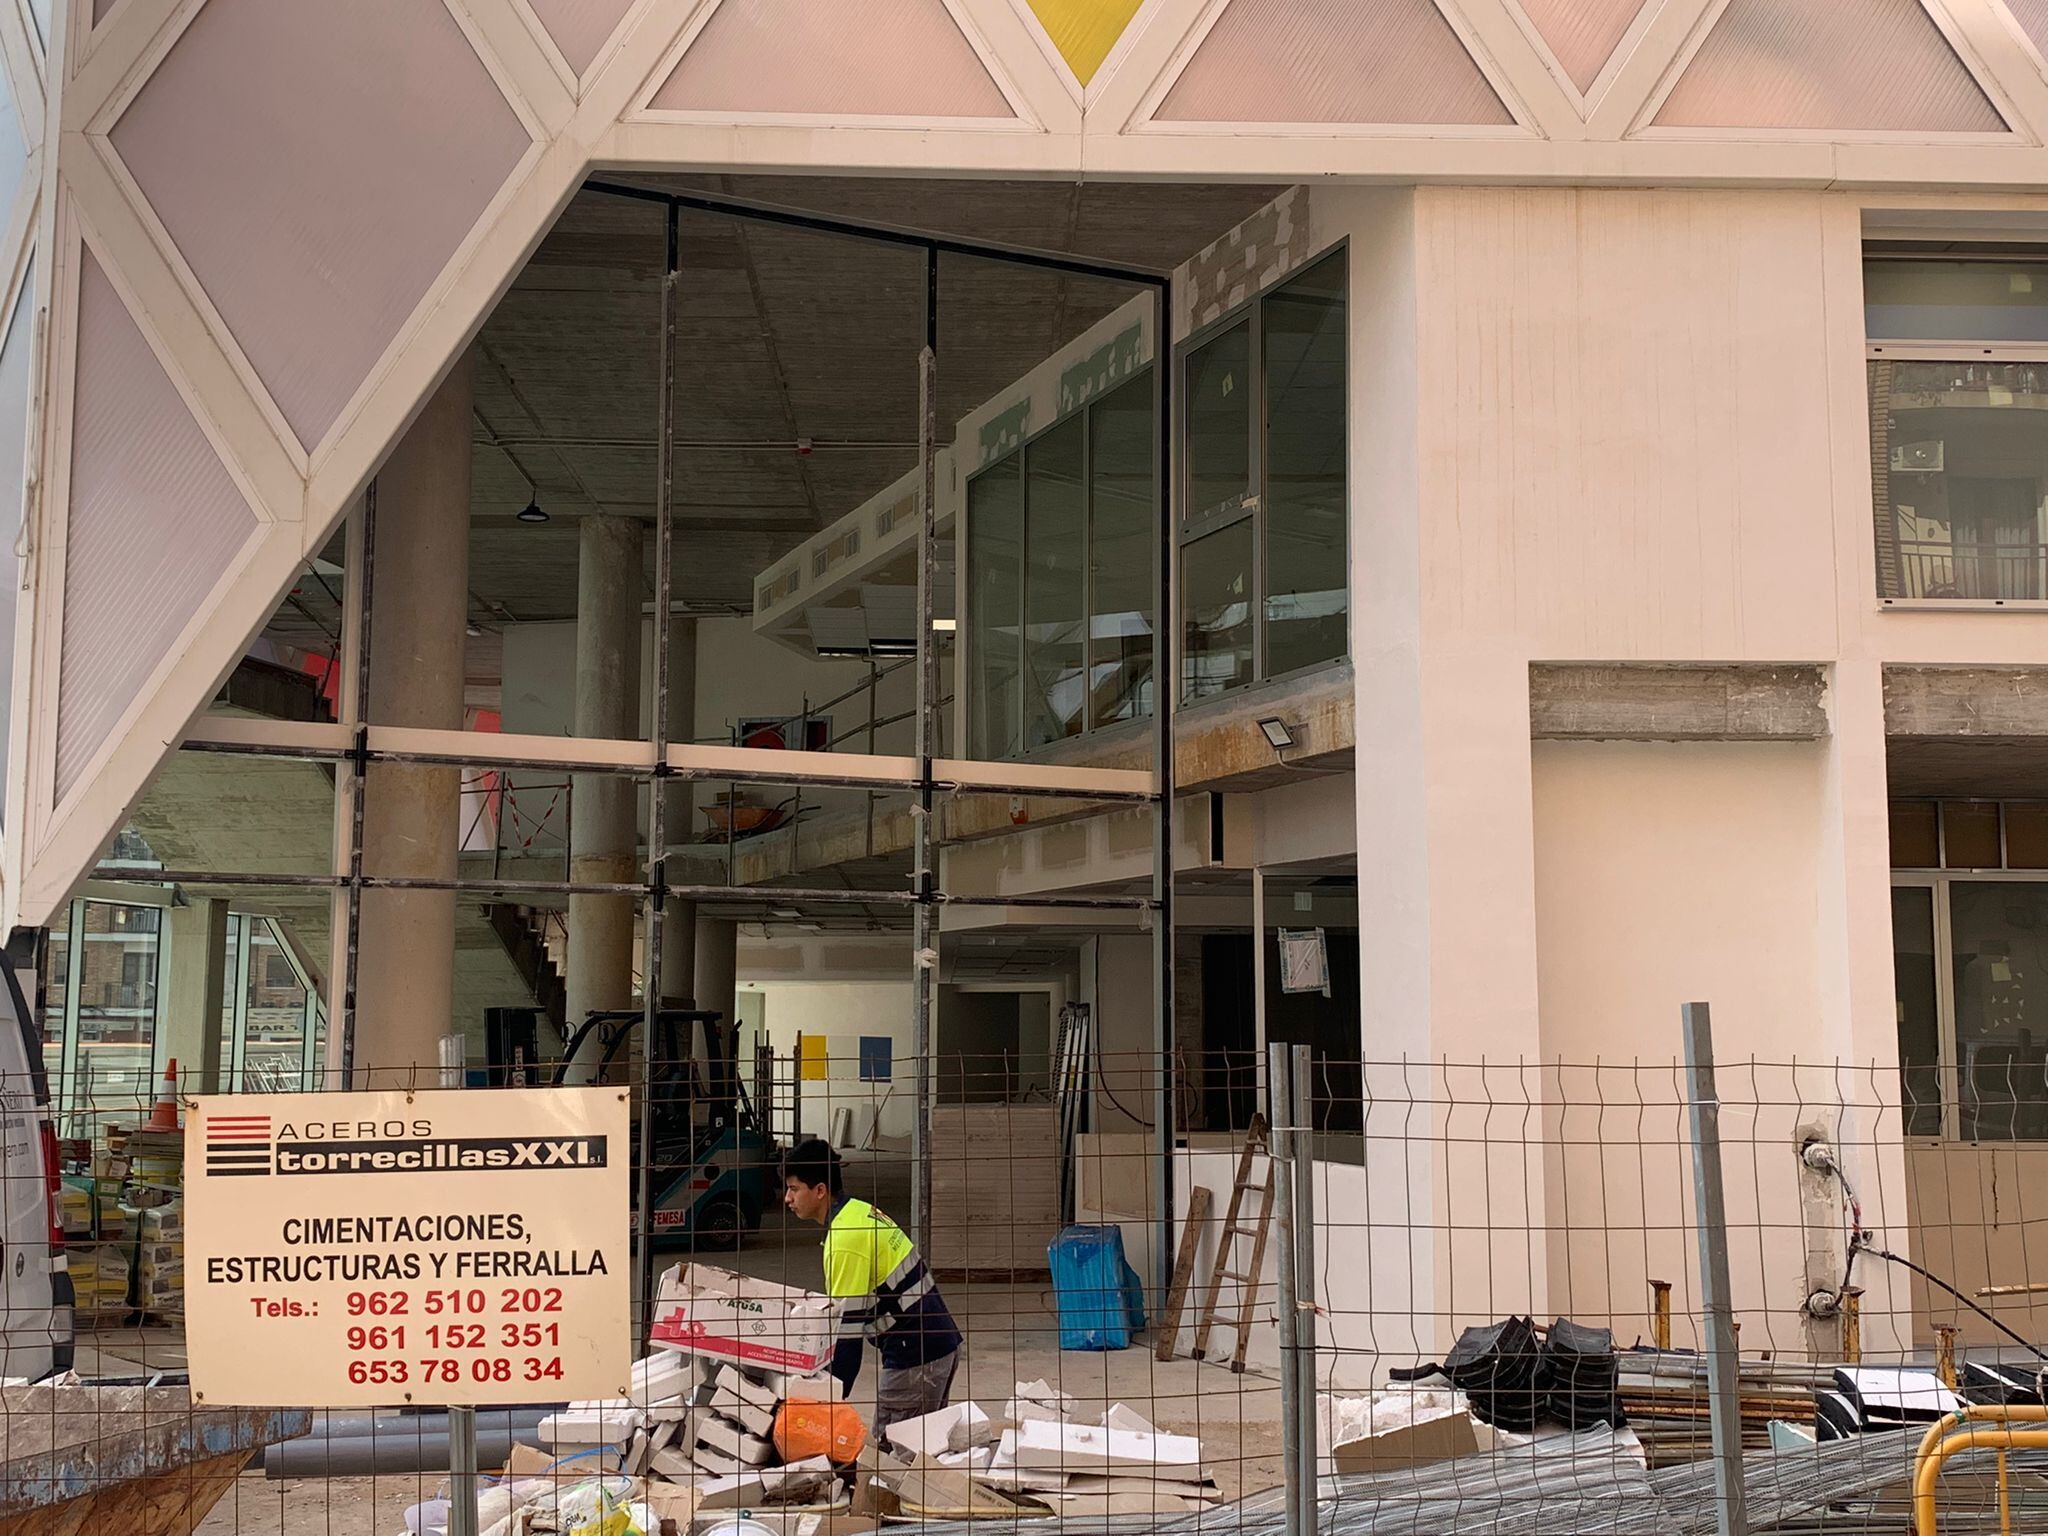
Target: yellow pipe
(1942,1441)
(2004,1496)
(1660,1313)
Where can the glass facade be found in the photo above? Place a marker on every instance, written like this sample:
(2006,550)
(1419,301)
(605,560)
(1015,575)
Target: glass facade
(1265,527)
(1959,453)
(1970,967)
(106,1009)
(1060,578)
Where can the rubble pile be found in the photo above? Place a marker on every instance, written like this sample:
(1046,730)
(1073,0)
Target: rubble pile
(733,1413)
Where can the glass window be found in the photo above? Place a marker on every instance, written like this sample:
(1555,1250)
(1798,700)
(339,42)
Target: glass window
(2000,954)
(1122,447)
(1960,456)
(1219,416)
(274,1033)
(117,982)
(1969,834)
(1913,978)
(2026,836)
(995,544)
(1955,300)
(56,993)
(1216,597)
(1305,505)
(1915,835)
(1055,627)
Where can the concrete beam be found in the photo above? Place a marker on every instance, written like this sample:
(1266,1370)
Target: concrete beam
(1676,702)
(2009,703)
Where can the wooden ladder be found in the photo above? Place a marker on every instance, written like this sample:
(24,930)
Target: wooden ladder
(1234,1227)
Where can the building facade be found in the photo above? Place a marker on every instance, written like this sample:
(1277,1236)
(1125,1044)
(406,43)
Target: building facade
(1592,447)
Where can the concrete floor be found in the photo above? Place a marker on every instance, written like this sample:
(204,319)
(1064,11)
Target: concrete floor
(1012,1335)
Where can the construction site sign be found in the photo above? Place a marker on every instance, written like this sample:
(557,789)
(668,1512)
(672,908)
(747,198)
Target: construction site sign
(363,1249)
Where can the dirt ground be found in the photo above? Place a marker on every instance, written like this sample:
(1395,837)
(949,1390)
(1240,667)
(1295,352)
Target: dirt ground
(1012,1335)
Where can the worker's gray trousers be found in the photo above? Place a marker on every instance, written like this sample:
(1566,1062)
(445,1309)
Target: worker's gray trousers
(913,1391)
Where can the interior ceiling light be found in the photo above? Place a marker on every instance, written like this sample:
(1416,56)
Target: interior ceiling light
(531,512)
(474,630)
(1278,736)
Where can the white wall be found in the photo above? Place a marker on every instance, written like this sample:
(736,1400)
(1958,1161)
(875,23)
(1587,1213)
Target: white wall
(843,1011)
(1667,873)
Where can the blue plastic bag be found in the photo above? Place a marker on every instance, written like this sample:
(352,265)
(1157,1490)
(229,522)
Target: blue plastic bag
(1100,1298)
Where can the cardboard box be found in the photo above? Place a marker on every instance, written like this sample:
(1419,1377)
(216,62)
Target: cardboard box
(1412,1445)
(704,1310)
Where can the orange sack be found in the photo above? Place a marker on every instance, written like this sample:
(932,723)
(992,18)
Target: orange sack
(805,1429)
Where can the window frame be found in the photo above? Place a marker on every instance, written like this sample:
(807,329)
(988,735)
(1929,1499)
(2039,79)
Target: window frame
(1256,504)
(1878,349)
(964,634)
(1940,882)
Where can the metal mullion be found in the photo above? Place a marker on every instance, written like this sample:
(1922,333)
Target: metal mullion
(1087,414)
(1255,427)
(242,928)
(1164,702)
(1948,1056)
(68,1065)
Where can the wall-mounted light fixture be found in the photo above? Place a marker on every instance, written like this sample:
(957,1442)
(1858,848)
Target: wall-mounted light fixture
(1278,736)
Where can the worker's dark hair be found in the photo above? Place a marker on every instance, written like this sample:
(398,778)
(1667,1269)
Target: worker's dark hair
(812,1163)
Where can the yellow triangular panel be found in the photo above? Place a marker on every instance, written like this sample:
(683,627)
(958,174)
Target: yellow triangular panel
(1085,30)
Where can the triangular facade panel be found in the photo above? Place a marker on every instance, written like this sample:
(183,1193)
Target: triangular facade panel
(154,521)
(1582,34)
(317,165)
(1332,61)
(1084,31)
(581,27)
(1878,66)
(2032,15)
(849,58)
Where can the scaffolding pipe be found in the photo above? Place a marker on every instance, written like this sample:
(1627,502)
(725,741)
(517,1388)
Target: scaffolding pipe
(924,917)
(657,799)
(1724,1397)
(1280,1114)
(1302,1151)
(1165,685)
(358,773)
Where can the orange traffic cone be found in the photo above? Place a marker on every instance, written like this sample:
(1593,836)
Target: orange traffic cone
(164,1115)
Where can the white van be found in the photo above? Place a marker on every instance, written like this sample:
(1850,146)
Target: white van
(35,1286)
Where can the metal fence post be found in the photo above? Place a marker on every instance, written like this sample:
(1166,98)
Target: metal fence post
(1724,1402)
(1301,1140)
(1280,1103)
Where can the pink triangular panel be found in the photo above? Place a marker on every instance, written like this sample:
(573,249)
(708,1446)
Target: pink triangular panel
(855,58)
(2032,15)
(318,163)
(580,27)
(1871,65)
(1582,34)
(154,522)
(1332,61)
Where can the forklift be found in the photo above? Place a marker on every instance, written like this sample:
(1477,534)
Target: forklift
(715,1167)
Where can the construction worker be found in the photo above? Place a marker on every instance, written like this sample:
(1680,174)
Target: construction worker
(884,1289)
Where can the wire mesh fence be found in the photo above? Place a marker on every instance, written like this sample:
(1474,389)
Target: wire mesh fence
(1368,1296)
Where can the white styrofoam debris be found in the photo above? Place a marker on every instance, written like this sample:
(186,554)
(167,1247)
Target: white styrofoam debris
(734,1440)
(729,1404)
(952,1428)
(660,1378)
(823,1387)
(591,1425)
(748,1387)
(1090,1448)
(973,1459)
(1122,1417)
(710,1459)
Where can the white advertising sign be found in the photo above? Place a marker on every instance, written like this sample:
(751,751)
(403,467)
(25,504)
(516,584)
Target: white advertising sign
(358,1249)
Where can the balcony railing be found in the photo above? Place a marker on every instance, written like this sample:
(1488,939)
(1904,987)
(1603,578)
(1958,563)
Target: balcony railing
(1937,568)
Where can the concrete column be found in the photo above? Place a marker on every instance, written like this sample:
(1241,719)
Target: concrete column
(679,921)
(197,991)
(718,948)
(604,837)
(419,607)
